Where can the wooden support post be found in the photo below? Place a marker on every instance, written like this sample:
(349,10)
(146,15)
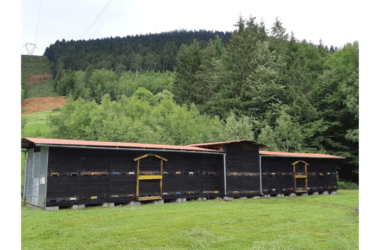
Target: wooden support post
(137,182)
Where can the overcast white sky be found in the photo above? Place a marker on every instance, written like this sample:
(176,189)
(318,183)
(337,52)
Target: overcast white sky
(335,22)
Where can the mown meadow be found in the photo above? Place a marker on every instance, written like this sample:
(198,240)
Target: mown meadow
(310,222)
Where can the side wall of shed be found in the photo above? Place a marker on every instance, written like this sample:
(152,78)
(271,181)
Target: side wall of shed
(278,176)
(36,173)
(243,170)
(86,176)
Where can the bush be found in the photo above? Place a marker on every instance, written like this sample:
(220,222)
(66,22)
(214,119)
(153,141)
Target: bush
(347,185)
(56,109)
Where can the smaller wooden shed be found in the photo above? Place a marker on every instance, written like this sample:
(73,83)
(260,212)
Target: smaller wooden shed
(298,172)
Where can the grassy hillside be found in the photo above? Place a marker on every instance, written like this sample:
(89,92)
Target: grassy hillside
(36,65)
(33,65)
(36,125)
(313,222)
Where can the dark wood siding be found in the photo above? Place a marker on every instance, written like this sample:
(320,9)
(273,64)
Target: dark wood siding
(185,175)
(321,174)
(242,160)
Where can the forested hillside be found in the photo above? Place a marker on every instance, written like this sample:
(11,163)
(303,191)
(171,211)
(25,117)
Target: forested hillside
(300,97)
(256,83)
(151,52)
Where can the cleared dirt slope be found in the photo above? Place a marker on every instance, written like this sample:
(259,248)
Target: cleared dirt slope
(41,104)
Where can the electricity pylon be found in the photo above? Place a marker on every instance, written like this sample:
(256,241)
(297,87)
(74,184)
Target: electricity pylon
(33,46)
(30,47)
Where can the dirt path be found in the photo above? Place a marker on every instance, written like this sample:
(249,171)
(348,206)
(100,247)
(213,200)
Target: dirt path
(42,104)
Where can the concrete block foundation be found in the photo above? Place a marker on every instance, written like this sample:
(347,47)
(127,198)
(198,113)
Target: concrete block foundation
(77,206)
(158,202)
(108,204)
(134,203)
(292,195)
(51,208)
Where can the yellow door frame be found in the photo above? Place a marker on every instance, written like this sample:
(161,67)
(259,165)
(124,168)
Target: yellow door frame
(303,176)
(151,177)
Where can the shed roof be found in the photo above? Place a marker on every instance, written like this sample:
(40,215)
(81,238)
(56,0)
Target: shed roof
(308,155)
(27,141)
(227,142)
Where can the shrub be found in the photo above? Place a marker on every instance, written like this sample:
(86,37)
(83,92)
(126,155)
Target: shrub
(346,184)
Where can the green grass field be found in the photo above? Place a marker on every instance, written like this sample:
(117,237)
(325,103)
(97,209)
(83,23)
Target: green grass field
(311,222)
(36,124)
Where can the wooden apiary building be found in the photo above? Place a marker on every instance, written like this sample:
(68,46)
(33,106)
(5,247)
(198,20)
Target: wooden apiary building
(298,172)
(72,172)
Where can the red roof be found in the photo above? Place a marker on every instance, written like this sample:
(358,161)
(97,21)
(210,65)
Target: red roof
(48,141)
(227,142)
(300,155)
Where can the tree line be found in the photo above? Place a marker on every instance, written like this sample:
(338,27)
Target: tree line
(92,84)
(151,52)
(145,118)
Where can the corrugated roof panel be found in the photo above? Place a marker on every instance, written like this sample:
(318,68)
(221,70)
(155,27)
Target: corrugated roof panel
(309,155)
(49,141)
(227,142)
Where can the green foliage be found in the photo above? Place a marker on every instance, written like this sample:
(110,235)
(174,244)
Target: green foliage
(35,124)
(297,96)
(337,96)
(139,119)
(150,52)
(33,65)
(24,121)
(346,185)
(144,95)
(237,128)
(43,89)
(92,84)
(286,136)
(188,64)
(23,93)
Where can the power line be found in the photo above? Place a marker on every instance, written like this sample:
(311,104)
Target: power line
(96,19)
(30,47)
(38,20)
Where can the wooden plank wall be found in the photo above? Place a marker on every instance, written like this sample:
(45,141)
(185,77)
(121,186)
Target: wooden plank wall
(282,166)
(243,178)
(186,175)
